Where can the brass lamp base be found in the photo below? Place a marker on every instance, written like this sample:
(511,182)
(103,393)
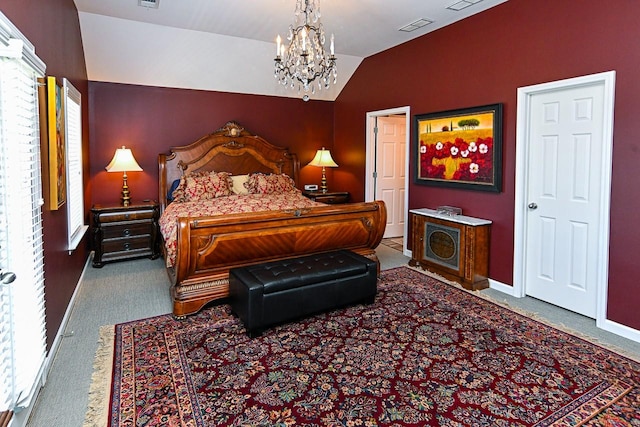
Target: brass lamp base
(126,199)
(323,182)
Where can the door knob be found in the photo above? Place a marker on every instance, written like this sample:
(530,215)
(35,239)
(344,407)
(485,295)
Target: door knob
(533,206)
(7,277)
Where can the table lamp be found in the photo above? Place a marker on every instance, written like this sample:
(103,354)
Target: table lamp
(123,161)
(323,158)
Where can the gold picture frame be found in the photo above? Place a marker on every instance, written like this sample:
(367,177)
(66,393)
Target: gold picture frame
(56,143)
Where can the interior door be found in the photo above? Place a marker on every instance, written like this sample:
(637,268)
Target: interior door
(564,188)
(390,167)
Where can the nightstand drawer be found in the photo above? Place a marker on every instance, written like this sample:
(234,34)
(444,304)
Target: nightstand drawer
(126,216)
(127,229)
(330,197)
(133,244)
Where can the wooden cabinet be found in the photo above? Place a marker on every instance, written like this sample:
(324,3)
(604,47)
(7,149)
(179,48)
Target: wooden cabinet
(330,197)
(456,247)
(125,232)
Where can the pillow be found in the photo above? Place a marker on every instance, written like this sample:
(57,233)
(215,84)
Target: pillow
(203,186)
(259,183)
(238,184)
(173,187)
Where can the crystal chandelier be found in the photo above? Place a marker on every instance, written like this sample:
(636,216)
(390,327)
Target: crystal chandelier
(304,61)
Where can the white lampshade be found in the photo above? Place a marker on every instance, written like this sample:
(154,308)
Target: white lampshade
(123,161)
(323,158)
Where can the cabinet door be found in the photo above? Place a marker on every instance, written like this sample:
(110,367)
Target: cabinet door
(445,245)
(417,233)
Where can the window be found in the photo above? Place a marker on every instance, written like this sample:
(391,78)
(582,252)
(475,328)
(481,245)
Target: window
(22,316)
(75,186)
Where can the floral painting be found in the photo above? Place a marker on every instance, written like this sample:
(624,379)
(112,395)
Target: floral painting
(460,148)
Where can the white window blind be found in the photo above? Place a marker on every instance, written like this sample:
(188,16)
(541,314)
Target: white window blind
(22,319)
(75,185)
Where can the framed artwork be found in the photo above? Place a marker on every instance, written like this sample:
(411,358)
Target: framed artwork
(57,148)
(460,148)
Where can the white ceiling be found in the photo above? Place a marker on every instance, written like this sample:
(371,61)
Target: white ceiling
(229,45)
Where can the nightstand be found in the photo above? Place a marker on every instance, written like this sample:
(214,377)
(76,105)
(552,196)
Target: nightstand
(330,197)
(125,232)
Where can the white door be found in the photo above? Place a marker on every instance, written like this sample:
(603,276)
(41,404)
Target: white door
(390,168)
(567,141)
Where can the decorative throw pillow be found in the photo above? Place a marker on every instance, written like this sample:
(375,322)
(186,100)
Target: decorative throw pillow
(259,183)
(203,186)
(177,195)
(238,184)
(174,186)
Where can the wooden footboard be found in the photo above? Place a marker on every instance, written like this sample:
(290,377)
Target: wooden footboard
(210,246)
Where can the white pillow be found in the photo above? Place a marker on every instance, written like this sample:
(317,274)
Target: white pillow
(238,184)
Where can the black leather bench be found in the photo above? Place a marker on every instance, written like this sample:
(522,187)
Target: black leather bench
(274,292)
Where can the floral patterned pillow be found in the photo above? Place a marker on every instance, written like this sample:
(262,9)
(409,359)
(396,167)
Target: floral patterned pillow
(203,186)
(260,183)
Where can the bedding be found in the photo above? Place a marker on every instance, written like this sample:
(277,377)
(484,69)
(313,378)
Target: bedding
(234,203)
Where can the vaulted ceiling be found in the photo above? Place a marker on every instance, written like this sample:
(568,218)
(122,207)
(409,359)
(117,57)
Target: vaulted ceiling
(229,45)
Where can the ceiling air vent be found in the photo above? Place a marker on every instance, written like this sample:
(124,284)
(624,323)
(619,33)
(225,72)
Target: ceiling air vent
(152,4)
(415,25)
(462,4)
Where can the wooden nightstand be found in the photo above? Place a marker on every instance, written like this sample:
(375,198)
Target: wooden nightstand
(125,232)
(330,197)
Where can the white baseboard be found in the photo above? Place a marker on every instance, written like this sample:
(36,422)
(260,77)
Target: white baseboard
(65,320)
(502,287)
(619,329)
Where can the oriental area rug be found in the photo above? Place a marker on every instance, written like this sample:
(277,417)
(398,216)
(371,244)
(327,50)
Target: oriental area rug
(425,353)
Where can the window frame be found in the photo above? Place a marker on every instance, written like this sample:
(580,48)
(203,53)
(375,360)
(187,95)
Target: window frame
(72,104)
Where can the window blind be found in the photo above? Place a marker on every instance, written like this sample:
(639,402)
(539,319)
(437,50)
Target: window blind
(22,319)
(75,185)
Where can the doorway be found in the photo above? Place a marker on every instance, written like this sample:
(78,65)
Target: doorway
(387,167)
(564,146)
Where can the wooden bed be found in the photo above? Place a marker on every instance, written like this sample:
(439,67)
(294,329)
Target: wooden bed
(209,246)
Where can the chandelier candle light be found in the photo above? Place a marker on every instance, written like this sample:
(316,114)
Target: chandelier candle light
(123,161)
(323,158)
(304,61)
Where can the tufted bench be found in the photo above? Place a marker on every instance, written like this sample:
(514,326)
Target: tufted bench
(274,292)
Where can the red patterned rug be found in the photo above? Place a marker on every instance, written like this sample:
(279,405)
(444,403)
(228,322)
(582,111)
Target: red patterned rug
(425,353)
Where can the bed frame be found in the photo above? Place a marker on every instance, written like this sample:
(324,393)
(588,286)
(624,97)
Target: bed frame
(208,247)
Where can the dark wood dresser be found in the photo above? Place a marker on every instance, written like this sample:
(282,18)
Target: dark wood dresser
(125,232)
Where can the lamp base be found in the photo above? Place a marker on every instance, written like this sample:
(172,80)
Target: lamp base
(323,182)
(126,199)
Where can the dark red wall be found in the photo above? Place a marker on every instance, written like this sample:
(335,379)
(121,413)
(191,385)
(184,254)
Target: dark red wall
(150,120)
(483,60)
(52,26)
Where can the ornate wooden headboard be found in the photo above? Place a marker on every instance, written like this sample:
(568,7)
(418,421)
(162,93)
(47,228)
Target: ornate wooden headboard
(229,149)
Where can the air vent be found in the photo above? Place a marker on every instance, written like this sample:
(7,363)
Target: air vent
(463,4)
(151,4)
(415,25)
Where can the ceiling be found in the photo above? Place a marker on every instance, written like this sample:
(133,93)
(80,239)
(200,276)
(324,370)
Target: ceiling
(229,45)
